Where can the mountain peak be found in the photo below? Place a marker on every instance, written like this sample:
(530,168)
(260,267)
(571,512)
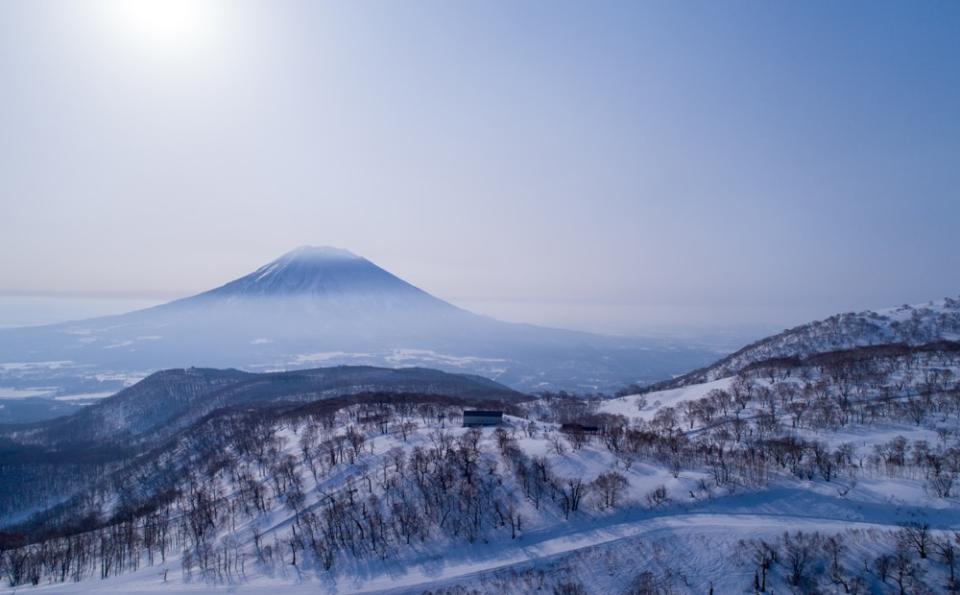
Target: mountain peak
(316,271)
(314,253)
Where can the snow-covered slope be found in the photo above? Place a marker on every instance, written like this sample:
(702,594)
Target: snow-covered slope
(907,325)
(801,476)
(823,460)
(45,462)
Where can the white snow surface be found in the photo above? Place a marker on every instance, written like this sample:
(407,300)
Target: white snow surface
(694,536)
(937,320)
(627,406)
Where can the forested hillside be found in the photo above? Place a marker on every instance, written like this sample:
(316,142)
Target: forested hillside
(834,472)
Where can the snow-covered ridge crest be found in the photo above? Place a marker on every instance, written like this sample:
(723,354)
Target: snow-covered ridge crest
(907,325)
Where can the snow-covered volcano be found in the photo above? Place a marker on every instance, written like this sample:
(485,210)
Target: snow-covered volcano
(322,295)
(322,273)
(323,306)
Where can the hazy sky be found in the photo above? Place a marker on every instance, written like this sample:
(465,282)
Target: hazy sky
(611,166)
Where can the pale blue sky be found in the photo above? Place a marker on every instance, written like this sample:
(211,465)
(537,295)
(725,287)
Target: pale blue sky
(620,167)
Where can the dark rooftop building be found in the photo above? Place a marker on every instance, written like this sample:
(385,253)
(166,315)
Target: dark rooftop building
(473,419)
(579,428)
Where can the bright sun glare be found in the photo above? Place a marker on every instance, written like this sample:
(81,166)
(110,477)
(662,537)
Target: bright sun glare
(168,26)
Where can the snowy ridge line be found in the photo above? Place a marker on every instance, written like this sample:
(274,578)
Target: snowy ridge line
(754,416)
(722,366)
